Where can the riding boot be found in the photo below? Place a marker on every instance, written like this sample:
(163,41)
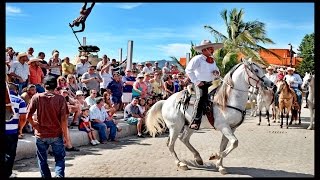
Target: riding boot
(197,120)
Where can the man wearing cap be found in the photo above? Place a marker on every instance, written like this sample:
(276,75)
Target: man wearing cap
(82,66)
(294,80)
(50,126)
(11,130)
(201,70)
(19,71)
(148,68)
(35,74)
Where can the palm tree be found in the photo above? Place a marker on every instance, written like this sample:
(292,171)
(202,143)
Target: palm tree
(242,37)
(174,59)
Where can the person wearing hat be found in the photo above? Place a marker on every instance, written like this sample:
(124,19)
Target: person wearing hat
(201,70)
(55,65)
(156,67)
(280,74)
(36,74)
(19,71)
(140,68)
(50,126)
(85,125)
(148,68)
(270,74)
(82,66)
(10,56)
(295,82)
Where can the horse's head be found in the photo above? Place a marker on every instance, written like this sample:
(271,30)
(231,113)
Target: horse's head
(256,75)
(306,80)
(281,84)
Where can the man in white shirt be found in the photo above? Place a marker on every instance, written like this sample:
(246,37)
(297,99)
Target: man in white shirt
(30,53)
(82,66)
(271,76)
(294,80)
(201,70)
(148,68)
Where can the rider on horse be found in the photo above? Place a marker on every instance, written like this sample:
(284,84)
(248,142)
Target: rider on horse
(294,80)
(200,70)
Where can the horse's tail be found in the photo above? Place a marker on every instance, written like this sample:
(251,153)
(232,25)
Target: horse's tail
(154,120)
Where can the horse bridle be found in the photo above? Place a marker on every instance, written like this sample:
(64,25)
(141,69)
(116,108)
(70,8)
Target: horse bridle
(250,77)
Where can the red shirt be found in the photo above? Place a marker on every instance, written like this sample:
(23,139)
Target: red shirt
(35,75)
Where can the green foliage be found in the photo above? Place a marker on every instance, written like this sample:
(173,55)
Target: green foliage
(306,49)
(193,52)
(219,56)
(242,37)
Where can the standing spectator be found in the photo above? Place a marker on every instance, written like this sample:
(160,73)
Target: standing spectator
(105,61)
(115,87)
(83,66)
(115,66)
(19,71)
(149,103)
(72,85)
(156,67)
(156,84)
(67,67)
(133,115)
(90,100)
(139,88)
(91,79)
(11,134)
(51,125)
(35,74)
(10,56)
(142,106)
(146,81)
(43,64)
(148,68)
(55,65)
(166,69)
(85,125)
(174,69)
(30,53)
(168,87)
(106,77)
(128,81)
(26,96)
(97,116)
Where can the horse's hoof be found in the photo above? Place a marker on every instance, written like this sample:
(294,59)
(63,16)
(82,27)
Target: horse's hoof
(183,167)
(274,121)
(278,121)
(214,156)
(222,170)
(268,124)
(199,161)
(280,126)
(258,124)
(287,127)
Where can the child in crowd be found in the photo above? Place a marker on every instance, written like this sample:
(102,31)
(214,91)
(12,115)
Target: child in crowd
(85,125)
(142,106)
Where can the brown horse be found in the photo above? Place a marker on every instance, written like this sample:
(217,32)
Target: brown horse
(287,100)
(9,106)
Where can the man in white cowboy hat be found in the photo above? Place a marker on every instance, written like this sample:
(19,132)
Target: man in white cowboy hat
(19,71)
(271,75)
(148,68)
(295,81)
(35,74)
(201,70)
(82,66)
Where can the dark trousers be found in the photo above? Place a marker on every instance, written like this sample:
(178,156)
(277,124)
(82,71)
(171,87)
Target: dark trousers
(203,99)
(10,152)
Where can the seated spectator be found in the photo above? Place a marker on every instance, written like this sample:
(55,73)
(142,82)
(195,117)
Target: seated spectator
(168,86)
(142,106)
(149,103)
(115,88)
(174,69)
(101,121)
(146,81)
(72,85)
(62,82)
(85,125)
(133,115)
(67,67)
(90,100)
(35,74)
(73,106)
(156,84)
(139,87)
(182,81)
(91,79)
(80,98)
(108,104)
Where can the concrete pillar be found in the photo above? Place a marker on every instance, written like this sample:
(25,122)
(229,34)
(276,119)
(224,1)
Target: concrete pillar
(129,54)
(187,58)
(84,41)
(120,55)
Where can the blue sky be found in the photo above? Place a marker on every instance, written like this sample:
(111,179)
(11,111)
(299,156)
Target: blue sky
(159,30)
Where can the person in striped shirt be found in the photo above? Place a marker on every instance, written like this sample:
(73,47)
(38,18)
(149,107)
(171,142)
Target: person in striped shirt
(11,137)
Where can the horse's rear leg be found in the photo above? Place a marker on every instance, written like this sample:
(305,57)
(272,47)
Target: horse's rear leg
(287,119)
(267,112)
(185,138)
(259,118)
(228,133)
(281,117)
(173,135)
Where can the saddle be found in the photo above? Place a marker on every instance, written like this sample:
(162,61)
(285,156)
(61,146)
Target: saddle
(189,97)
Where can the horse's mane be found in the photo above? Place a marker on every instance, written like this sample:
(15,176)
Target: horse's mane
(222,96)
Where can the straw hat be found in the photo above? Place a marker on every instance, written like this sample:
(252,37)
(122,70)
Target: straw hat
(281,69)
(79,93)
(291,69)
(140,75)
(21,55)
(206,44)
(34,60)
(270,68)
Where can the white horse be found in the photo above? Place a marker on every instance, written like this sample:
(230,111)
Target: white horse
(228,112)
(308,82)
(253,92)
(265,99)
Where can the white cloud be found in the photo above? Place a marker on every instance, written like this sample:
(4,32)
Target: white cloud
(176,49)
(128,5)
(11,10)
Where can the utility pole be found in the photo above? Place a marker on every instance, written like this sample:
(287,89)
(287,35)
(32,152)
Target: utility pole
(291,54)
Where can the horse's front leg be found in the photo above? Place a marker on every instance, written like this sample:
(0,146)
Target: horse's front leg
(228,133)
(185,138)
(281,117)
(259,118)
(288,111)
(267,112)
(223,145)
(311,117)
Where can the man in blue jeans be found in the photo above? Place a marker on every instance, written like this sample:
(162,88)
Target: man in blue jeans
(101,121)
(11,135)
(51,125)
